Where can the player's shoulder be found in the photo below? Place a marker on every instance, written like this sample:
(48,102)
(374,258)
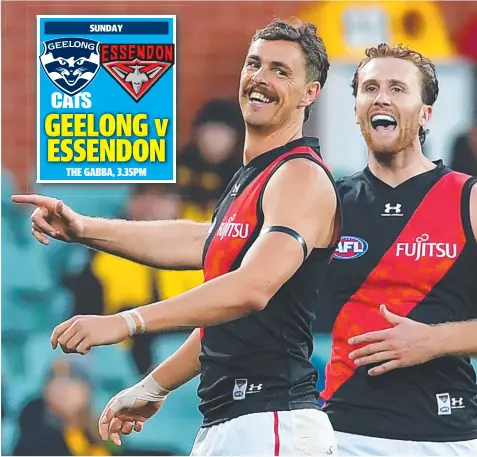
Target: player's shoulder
(299,177)
(302,170)
(349,186)
(458,176)
(463,181)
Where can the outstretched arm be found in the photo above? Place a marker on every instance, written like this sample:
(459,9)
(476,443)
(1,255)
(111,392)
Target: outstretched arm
(160,244)
(270,262)
(172,245)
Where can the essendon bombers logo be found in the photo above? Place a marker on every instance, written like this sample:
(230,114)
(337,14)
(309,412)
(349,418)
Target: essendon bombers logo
(137,67)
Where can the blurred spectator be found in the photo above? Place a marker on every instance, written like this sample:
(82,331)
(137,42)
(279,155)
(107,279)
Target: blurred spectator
(151,202)
(110,284)
(61,422)
(211,158)
(464,152)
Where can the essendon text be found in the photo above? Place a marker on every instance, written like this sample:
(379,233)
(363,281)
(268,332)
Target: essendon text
(143,52)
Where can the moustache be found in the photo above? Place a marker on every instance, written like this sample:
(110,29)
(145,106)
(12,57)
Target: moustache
(261,90)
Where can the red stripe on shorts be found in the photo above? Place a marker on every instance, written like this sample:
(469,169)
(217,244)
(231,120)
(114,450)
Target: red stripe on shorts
(275,431)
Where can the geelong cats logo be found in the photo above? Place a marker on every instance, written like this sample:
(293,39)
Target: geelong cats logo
(71,63)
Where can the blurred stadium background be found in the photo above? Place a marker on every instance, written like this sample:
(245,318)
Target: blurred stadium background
(50,403)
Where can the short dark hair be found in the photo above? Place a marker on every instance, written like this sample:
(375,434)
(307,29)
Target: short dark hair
(429,81)
(312,45)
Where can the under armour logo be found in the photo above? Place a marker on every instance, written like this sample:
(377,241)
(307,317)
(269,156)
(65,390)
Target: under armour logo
(235,190)
(390,210)
(255,387)
(457,402)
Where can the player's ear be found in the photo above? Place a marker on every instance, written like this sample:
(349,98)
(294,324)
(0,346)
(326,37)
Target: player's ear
(425,115)
(312,91)
(355,115)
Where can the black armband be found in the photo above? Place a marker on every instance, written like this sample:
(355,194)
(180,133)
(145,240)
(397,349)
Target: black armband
(288,231)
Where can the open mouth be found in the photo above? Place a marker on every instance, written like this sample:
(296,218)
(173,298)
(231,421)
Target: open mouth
(383,122)
(259,98)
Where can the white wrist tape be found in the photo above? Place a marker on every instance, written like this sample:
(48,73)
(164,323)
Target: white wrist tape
(140,318)
(145,391)
(154,388)
(131,323)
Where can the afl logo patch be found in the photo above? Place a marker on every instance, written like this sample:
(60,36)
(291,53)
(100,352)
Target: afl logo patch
(350,247)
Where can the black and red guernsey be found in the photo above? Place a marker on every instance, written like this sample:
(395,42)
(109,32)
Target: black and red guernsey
(412,248)
(260,362)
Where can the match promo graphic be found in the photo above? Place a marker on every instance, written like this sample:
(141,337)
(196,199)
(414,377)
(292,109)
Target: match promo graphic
(106,99)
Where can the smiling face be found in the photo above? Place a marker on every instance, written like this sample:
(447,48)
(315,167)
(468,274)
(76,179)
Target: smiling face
(274,88)
(389,106)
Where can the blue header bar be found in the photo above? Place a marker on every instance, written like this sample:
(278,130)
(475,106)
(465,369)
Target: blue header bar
(119,27)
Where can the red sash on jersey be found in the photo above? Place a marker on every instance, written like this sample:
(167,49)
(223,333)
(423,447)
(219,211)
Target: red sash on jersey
(401,281)
(241,219)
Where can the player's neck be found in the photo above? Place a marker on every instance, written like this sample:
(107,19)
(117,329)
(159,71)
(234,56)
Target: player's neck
(258,141)
(394,169)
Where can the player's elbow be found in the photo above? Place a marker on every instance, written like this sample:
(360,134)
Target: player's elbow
(256,300)
(256,294)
